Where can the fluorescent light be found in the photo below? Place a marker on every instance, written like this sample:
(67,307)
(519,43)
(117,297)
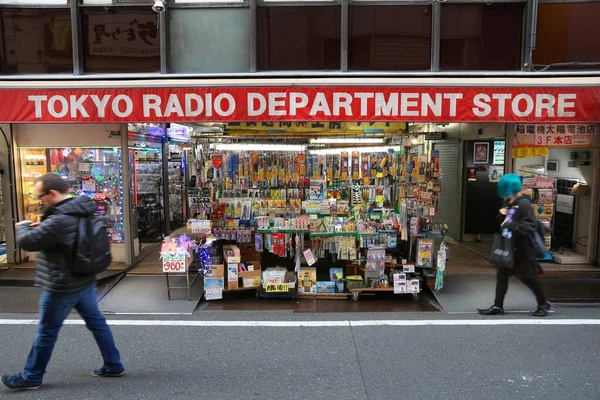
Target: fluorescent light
(360,140)
(349,150)
(259,147)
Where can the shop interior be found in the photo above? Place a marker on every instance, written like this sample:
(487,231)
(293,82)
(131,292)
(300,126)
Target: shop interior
(331,209)
(158,160)
(564,200)
(323,208)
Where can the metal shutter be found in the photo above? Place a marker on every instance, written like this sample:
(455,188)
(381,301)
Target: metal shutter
(449,207)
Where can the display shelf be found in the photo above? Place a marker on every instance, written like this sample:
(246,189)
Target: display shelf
(242,289)
(325,296)
(356,292)
(289,231)
(331,234)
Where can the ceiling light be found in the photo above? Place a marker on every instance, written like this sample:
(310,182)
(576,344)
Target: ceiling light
(259,147)
(349,150)
(359,140)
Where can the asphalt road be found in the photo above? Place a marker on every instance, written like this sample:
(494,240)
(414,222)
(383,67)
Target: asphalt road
(349,361)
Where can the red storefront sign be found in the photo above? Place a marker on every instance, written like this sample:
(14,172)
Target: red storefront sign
(446,104)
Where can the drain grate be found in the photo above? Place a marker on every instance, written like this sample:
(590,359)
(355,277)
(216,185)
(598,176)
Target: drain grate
(19,299)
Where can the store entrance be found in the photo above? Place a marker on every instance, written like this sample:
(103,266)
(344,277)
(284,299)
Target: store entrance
(147,194)
(484,165)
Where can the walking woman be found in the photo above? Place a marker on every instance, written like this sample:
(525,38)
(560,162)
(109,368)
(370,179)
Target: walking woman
(520,223)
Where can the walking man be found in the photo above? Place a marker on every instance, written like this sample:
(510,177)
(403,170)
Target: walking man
(54,238)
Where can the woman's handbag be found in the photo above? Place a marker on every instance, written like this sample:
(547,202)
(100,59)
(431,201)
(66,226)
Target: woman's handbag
(537,241)
(502,254)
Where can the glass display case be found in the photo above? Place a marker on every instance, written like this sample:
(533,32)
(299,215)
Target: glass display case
(92,172)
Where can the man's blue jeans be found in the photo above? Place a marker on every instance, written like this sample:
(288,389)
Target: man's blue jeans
(54,309)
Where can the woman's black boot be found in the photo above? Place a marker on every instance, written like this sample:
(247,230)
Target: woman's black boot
(542,310)
(493,310)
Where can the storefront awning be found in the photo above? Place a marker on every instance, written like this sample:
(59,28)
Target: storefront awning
(544,100)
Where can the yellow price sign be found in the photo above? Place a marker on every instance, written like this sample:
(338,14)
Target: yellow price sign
(277,287)
(529,152)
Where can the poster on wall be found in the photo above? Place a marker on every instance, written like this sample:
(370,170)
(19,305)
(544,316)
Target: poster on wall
(481,152)
(498,155)
(496,173)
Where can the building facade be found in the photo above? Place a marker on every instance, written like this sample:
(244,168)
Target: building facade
(517,62)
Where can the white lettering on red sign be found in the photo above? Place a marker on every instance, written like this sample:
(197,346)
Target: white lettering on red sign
(302,104)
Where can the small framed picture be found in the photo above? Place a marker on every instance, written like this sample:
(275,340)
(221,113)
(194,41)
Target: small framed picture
(552,165)
(481,153)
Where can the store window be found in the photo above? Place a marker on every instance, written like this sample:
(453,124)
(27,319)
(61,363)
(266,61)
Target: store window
(299,38)
(93,172)
(481,36)
(120,39)
(209,40)
(391,38)
(568,33)
(35,41)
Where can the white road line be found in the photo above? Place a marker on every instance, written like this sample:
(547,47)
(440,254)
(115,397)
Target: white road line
(347,323)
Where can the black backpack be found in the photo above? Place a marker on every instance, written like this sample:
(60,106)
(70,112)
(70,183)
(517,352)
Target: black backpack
(92,247)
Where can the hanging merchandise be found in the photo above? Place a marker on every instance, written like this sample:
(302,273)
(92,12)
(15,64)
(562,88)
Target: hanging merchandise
(425,253)
(349,208)
(441,266)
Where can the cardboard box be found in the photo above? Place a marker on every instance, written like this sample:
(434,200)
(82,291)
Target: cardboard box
(216,271)
(232,273)
(307,280)
(248,252)
(253,271)
(231,253)
(327,287)
(231,285)
(251,282)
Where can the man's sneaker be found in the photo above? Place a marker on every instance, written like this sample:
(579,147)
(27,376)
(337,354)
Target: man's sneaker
(16,382)
(104,372)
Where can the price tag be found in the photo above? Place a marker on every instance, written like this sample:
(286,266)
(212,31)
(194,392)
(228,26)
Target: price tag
(84,167)
(310,259)
(201,226)
(277,288)
(174,263)
(88,185)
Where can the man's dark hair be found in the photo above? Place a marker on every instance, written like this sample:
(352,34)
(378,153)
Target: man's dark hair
(52,181)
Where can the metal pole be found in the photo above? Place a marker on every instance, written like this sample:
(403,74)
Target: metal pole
(127,200)
(163,32)
(436,21)
(530,34)
(165,186)
(344,36)
(76,38)
(253,35)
